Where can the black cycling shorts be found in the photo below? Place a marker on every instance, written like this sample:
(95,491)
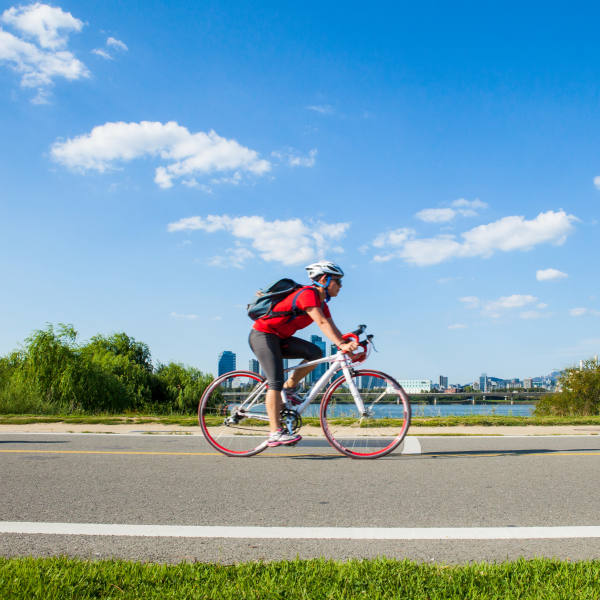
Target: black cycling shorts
(270,350)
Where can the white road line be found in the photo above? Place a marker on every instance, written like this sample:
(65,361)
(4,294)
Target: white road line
(411,445)
(329,533)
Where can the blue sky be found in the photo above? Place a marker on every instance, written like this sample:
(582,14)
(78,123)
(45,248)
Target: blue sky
(161,161)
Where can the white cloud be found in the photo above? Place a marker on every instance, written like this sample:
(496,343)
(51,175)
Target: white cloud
(113,43)
(44,58)
(597,182)
(457,326)
(462,207)
(383,257)
(289,242)
(462,203)
(102,53)
(549,275)
(446,280)
(436,215)
(541,305)
(188,153)
(178,316)
(235,258)
(118,44)
(507,302)
(494,308)
(505,235)
(324,109)
(297,161)
(393,238)
(192,183)
(533,314)
(470,301)
(578,312)
(48,24)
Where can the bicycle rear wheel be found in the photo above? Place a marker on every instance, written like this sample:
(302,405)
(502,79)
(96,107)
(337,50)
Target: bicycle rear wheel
(374,434)
(232,414)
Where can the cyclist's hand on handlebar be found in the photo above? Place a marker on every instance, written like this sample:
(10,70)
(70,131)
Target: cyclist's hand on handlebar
(350,346)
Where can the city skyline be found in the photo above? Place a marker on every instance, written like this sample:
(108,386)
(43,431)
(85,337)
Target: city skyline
(481,382)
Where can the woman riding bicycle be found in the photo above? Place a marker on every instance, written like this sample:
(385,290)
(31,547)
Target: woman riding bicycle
(271,339)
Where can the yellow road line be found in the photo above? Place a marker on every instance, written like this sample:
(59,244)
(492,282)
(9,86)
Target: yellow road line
(157,453)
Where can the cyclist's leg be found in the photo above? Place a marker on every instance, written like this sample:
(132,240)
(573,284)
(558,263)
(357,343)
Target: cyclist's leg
(267,347)
(294,347)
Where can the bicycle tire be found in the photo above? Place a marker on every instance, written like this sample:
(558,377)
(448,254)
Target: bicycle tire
(350,435)
(217,435)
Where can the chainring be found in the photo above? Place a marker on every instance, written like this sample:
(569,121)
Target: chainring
(290,419)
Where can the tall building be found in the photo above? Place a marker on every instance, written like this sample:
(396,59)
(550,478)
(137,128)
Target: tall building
(226,362)
(253,366)
(333,350)
(443,381)
(320,370)
(527,383)
(484,383)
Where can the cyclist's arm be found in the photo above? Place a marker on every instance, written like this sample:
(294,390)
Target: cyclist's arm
(334,327)
(329,329)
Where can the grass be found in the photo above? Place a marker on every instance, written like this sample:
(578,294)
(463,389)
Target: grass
(381,578)
(192,421)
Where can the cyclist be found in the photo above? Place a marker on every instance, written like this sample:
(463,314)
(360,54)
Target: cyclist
(271,339)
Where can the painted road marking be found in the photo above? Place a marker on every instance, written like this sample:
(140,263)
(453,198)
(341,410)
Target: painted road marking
(273,454)
(329,533)
(411,445)
(474,454)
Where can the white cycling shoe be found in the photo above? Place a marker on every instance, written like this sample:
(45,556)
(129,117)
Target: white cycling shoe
(282,438)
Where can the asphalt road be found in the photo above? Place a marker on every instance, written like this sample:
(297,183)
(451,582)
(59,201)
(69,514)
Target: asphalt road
(455,482)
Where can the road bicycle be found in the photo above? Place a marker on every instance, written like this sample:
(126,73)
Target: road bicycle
(363,413)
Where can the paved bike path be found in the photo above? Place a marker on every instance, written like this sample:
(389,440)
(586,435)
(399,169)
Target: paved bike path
(460,483)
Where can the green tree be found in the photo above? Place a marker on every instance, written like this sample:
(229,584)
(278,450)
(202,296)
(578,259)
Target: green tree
(128,361)
(51,367)
(579,395)
(183,385)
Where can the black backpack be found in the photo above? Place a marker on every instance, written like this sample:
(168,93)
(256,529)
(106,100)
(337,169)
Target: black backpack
(266,298)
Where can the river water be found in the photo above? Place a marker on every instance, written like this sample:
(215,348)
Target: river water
(429,410)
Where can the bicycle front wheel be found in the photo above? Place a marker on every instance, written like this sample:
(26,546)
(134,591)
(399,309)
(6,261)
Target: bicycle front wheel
(377,432)
(232,414)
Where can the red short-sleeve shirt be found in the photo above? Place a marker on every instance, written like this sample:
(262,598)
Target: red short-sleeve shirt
(282,326)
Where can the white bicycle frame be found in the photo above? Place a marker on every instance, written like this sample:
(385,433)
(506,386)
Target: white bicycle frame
(346,365)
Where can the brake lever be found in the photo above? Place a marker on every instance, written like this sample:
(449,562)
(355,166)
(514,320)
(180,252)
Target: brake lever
(370,340)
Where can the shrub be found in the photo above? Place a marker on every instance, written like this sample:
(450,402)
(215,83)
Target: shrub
(579,395)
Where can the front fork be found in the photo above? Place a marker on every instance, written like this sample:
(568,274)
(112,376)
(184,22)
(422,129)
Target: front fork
(354,391)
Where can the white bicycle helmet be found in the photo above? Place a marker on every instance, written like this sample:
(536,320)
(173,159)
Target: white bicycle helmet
(324,267)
